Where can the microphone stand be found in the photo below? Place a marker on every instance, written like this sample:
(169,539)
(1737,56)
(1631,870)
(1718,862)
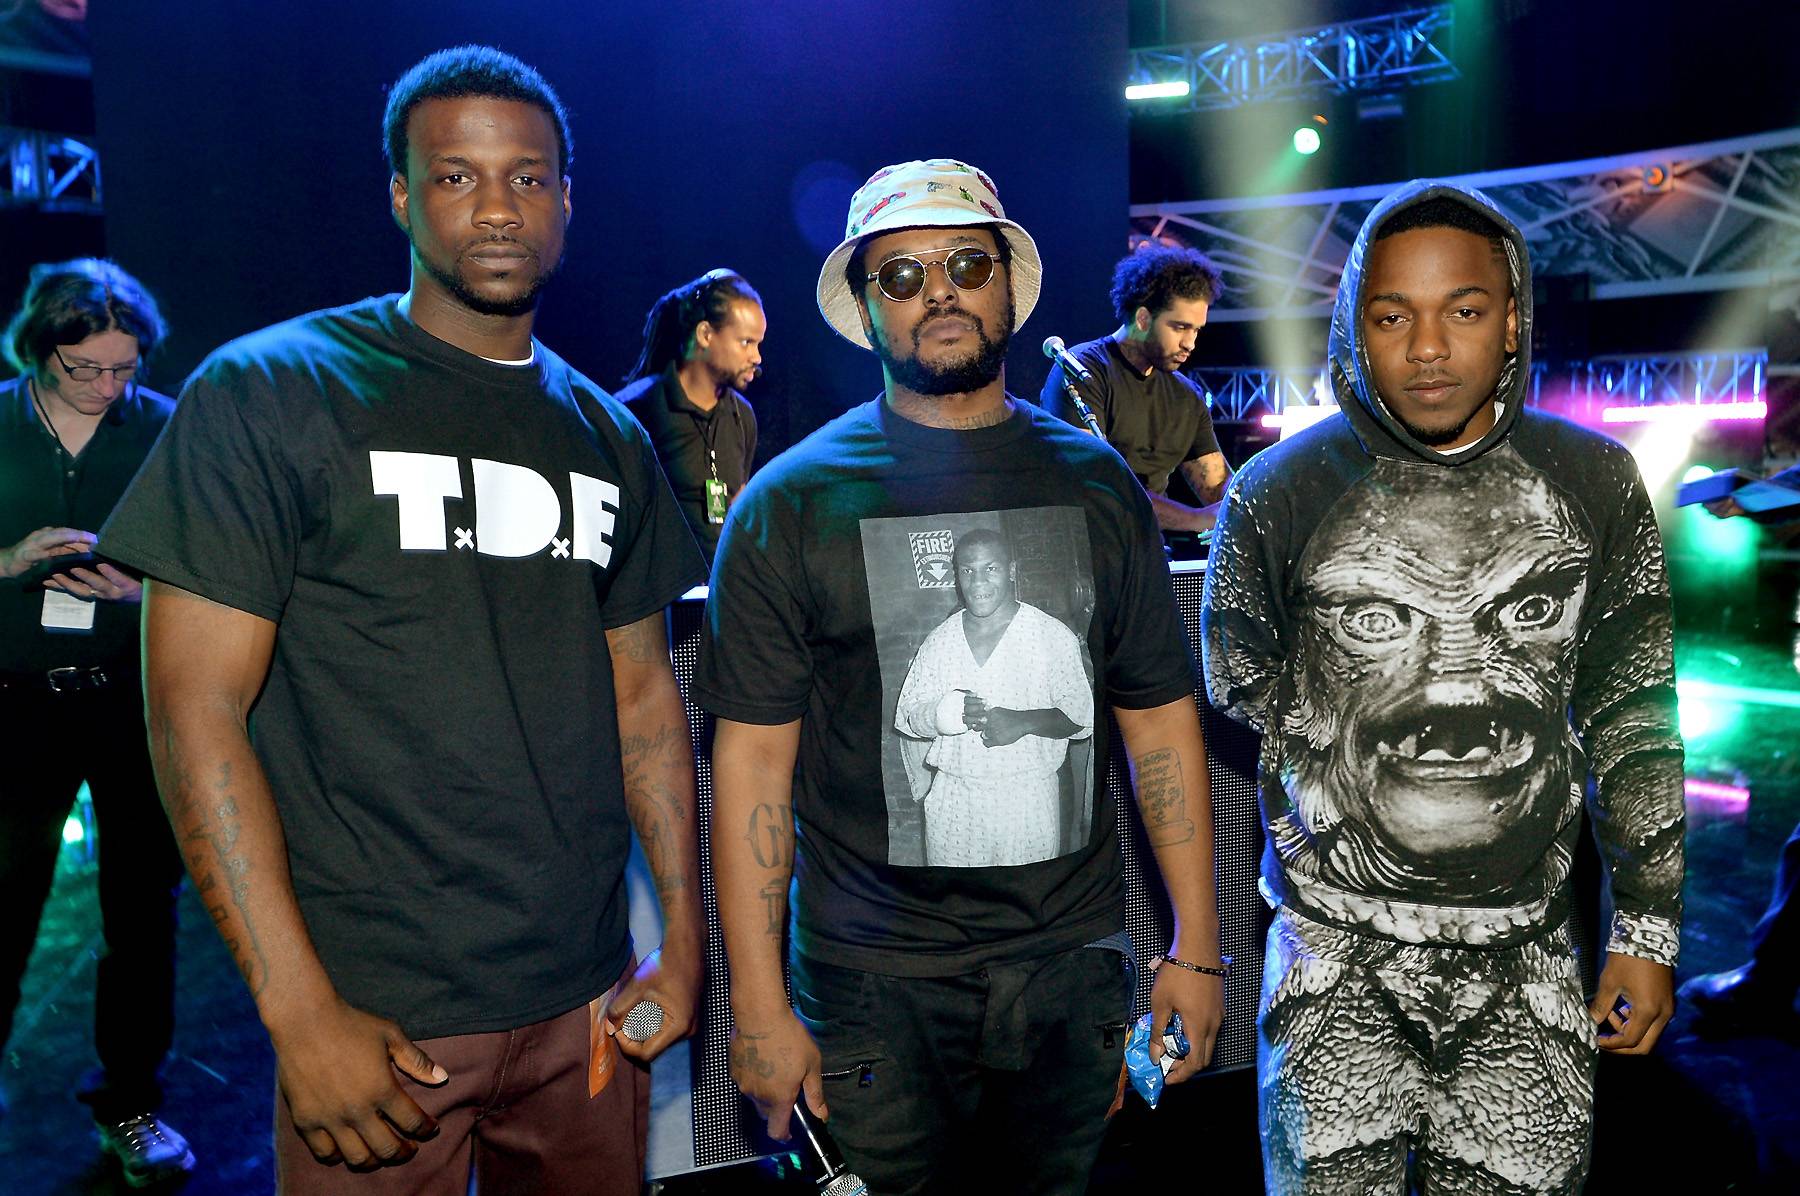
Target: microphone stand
(1081,408)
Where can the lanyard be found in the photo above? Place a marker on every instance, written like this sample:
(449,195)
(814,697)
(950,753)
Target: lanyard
(65,473)
(706,425)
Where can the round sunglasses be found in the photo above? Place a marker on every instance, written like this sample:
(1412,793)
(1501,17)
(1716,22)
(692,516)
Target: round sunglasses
(902,278)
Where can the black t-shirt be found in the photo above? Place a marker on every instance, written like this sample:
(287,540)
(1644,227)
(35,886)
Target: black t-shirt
(687,437)
(1157,423)
(443,542)
(42,486)
(837,566)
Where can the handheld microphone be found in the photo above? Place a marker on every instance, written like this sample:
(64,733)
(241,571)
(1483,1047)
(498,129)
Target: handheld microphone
(1058,352)
(642,1021)
(835,1176)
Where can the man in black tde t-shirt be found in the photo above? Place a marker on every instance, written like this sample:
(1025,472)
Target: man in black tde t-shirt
(1148,409)
(435,560)
(942,1008)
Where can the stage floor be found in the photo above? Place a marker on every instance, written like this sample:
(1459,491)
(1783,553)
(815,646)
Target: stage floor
(1701,1115)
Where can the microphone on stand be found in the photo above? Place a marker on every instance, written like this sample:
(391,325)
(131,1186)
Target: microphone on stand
(1073,371)
(835,1176)
(1058,352)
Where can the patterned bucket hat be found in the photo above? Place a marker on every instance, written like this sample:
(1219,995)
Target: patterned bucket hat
(934,193)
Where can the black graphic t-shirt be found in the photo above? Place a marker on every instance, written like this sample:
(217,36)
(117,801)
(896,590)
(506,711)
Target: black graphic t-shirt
(1440,649)
(1157,423)
(886,583)
(443,542)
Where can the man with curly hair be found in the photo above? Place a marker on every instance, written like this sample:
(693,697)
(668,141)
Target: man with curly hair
(1147,408)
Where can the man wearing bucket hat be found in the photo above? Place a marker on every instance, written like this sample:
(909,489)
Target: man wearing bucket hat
(942,1007)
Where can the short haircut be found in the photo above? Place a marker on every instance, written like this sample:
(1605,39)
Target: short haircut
(979,538)
(1154,276)
(856,269)
(466,71)
(67,302)
(674,317)
(1442,211)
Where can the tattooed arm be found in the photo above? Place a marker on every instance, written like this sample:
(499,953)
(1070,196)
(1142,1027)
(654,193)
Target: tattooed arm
(204,666)
(1168,766)
(772,1055)
(658,761)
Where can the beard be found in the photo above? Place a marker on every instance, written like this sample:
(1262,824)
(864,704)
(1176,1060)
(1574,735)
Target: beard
(958,377)
(519,304)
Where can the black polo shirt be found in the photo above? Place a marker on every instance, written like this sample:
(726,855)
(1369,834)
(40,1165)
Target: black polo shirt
(41,485)
(686,436)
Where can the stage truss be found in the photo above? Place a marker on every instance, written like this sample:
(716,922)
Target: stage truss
(1375,53)
(1240,394)
(1720,216)
(49,171)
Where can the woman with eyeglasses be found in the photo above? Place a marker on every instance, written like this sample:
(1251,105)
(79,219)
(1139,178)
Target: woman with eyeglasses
(75,425)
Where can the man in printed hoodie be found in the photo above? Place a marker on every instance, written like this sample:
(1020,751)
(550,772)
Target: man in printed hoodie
(1444,612)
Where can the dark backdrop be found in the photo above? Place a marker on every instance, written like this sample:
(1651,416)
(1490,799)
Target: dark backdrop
(246,184)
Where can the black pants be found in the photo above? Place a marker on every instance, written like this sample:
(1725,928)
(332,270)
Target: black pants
(52,742)
(996,1081)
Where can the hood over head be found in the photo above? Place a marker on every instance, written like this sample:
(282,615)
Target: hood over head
(1352,380)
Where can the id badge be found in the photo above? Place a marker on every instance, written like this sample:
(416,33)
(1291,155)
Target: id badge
(67,613)
(716,500)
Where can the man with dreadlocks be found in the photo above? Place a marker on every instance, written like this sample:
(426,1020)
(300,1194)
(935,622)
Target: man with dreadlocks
(702,346)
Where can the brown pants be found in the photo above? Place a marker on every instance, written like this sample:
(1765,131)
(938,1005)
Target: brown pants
(516,1109)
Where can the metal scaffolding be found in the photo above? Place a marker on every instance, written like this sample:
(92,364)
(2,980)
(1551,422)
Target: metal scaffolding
(1386,52)
(1717,216)
(1239,394)
(48,171)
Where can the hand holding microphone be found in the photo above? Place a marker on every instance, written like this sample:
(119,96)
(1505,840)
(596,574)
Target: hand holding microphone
(835,1176)
(642,1021)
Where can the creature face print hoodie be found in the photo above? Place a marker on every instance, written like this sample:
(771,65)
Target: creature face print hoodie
(1442,651)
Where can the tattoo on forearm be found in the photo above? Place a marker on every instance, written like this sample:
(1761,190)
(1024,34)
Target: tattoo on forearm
(648,761)
(774,895)
(771,835)
(1162,797)
(221,878)
(635,641)
(652,765)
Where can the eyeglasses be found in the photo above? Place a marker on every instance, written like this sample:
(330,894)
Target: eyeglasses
(902,278)
(87,373)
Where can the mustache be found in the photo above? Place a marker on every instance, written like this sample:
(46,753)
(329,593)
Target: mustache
(955,313)
(496,239)
(1432,378)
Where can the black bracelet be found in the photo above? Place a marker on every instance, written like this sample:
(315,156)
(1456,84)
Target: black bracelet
(1199,967)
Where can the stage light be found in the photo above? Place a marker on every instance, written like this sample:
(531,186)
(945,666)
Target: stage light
(1749,695)
(1294,417)
(1693,413)
(1306,140)
(1657,178)
(1700,718)
(1718,791)
(1157,91)
(1695,473)
(73,831)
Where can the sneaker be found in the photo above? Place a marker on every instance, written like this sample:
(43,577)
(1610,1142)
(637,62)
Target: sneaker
(147,1149)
